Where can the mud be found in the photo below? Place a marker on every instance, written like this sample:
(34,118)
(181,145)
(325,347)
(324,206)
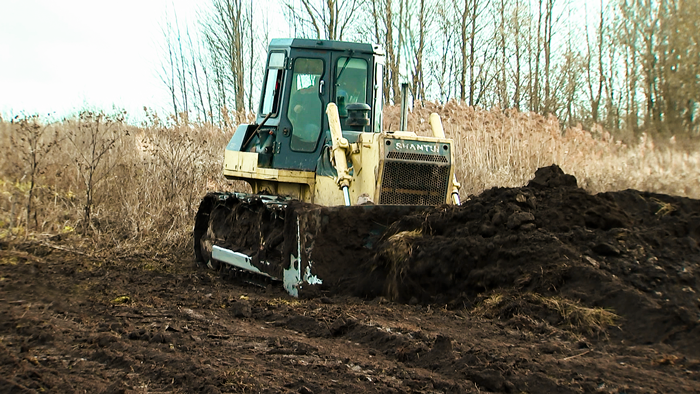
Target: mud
(539,289)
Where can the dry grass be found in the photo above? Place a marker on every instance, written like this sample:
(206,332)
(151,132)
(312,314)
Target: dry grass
(396,252)
(571,315)
(155,174)
(578,317)
(153,178)
(504,148)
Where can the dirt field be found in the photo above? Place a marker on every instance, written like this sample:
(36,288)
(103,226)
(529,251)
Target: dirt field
(540,289)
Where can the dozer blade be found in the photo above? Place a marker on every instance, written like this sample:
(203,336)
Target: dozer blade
(306,247)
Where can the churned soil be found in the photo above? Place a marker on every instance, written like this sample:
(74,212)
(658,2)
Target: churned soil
(539,289)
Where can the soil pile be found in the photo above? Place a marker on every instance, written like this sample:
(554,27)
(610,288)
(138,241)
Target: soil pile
(521,250)
(630,252)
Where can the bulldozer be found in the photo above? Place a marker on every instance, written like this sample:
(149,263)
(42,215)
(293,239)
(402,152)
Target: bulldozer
(316,152)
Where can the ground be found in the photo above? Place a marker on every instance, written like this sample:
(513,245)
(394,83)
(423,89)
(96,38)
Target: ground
(539,289)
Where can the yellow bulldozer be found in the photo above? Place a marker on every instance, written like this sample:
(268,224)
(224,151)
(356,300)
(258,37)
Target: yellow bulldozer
(317,151)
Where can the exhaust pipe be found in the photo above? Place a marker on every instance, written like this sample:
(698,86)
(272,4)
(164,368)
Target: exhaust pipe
(404,106)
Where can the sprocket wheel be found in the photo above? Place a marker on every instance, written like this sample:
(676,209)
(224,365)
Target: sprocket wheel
(214,235)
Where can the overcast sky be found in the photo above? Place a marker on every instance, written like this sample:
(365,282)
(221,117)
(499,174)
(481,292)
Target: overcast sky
(58,57)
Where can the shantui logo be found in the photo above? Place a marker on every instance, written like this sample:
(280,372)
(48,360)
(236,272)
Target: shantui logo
(416,147)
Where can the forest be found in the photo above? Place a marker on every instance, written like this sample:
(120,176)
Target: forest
(628,66)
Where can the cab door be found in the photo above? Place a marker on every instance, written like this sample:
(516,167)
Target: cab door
(303,122)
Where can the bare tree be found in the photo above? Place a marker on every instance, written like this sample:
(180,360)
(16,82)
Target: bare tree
(548,29)
(518,18)
(184,72)
(94,137)
(501,36)
(567,84)
(635,65)
(613,97)
(386,28)
(33,143)
(168,74)
(196,67)
(416,44)
(224,33)
(678,65)
(213,66)
(322,19)
(473,75)
(595,78)
(661,57)
(442,63)
(628,40)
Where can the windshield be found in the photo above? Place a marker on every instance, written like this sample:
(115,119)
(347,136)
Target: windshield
(305,107)
(351,81)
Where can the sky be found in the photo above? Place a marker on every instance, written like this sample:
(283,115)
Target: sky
(60,57)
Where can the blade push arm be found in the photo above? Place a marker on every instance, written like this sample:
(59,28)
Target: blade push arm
(439,132)
(341,147)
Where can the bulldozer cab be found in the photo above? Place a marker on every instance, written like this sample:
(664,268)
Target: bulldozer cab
(301,78)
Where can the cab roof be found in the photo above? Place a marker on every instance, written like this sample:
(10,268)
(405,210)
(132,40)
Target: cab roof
(303,43)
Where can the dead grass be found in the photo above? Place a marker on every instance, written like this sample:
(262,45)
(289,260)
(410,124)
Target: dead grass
(504,148)
(396,252)
(569,314)
(156,176)
(578,317)
(158,171)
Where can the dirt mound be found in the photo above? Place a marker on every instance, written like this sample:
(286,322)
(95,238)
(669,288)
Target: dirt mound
(631,253)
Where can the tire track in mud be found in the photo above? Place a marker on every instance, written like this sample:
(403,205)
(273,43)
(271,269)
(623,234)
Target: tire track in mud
(221,337)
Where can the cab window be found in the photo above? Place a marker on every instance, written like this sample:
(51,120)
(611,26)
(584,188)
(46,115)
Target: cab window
(273,84)
(350,82)
(305,111)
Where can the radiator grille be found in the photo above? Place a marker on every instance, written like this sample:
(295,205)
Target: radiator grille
(415,183)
